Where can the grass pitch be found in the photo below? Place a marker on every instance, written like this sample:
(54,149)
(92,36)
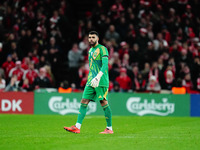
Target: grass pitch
(27,132)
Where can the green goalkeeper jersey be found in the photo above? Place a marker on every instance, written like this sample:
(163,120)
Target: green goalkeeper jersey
(95,63)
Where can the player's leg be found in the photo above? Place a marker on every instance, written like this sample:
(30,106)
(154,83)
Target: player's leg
(108,116)
(88,95)
(102,96)
(81,116)
(82,112)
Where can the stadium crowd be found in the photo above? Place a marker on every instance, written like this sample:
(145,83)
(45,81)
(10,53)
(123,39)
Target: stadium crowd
(153,45)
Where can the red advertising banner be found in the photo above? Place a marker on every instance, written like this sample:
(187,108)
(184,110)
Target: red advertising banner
(16,102)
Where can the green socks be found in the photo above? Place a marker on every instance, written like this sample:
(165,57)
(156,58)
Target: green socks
(108,115)
(82,113)
(83,110)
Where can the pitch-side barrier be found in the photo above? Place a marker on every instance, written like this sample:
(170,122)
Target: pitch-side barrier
(126,104)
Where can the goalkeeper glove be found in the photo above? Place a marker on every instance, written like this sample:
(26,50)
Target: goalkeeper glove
(95,81)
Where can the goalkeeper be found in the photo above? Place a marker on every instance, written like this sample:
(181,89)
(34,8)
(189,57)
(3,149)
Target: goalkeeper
(96,88)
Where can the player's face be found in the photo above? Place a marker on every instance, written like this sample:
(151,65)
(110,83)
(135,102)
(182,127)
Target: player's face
(93,39)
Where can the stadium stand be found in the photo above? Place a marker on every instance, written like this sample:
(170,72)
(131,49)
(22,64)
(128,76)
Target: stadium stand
(159,38)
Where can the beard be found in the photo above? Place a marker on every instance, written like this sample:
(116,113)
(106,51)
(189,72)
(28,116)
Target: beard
(93,44)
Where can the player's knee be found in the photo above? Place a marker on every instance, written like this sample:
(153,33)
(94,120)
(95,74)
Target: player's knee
(103,102)
(85,101)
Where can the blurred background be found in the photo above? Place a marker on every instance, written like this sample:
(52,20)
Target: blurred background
(154,45)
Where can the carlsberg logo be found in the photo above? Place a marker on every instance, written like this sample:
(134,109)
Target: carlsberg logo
(136,106)
(65,107)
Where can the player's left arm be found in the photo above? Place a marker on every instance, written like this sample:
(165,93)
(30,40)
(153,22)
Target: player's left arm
(104,56)
(104,68)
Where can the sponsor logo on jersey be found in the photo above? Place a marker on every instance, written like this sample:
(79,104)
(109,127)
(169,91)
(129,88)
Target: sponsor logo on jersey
(67,106)
(143,107)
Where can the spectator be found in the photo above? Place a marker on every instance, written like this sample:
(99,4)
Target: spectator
(153,85)
(150,33)
(42,81)
(13,84)
(180,35)
(25,63)
(84,45)
(159,41)
(64,87)
(184,70)
(115,60)
(134,55)
(42,61)
(145,71)
(193,48)
(111,48)
(53,45)
(122,27)
(133,73)
(81,29)
(142,40)
(74,57)
(172,63)
(49,74)
(2,73)
(14,56)
(8,65)
(195,71)
(23,43)
(198,84)
(17,70)
(1,46)
(150,54)
(131,34)
(125,61)
(161,64)
(185,56)
(187,83)
(26,86)
(114,72)
(169,81)
(116,87)
(54,51)
(154,71)
(33,55)
(139,83)
(112,34)
(116,10)
(84,79)
(83,70)
(124,80)
(54,20)
(175,52)
(99,9)
(164,56)
(2,83)
(30,74)
(123,50)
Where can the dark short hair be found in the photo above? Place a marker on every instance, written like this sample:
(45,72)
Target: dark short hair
(94,32)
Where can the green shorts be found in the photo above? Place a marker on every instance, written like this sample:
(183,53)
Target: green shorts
(95,94)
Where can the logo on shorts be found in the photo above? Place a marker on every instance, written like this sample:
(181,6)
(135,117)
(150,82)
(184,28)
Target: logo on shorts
(136,106)
(67,107)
